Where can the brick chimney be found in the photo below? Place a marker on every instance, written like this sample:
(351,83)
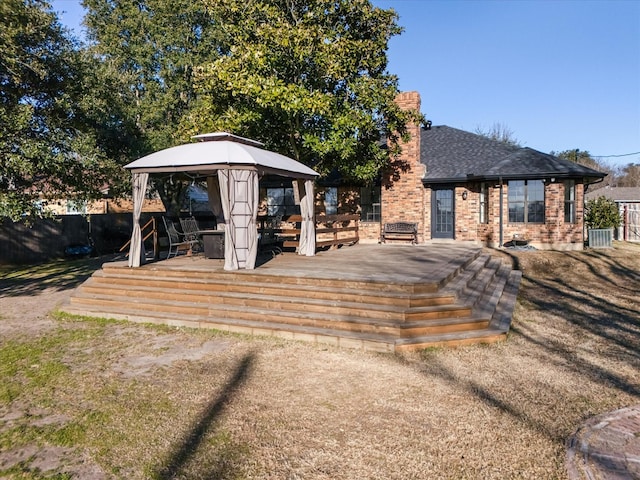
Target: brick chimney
(402,196)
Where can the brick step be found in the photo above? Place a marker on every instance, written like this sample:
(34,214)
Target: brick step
(442,307)
(291,278)
(100,304)
(371,295)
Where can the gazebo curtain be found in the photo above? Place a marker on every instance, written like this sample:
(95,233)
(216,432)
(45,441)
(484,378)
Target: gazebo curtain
(239,197)
(215,202)
(307,228)
(136,247)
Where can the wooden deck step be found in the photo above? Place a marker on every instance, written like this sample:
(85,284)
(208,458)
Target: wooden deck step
(292,279)
(348,320)
(324,333)
(450,302)
(372,294)
(442,306)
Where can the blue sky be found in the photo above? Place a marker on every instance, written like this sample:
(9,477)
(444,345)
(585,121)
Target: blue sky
(560,74)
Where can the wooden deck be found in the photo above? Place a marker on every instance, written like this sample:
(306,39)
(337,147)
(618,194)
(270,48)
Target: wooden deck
(375,297)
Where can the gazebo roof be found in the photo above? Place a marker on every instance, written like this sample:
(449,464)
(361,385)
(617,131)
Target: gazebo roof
(220,150)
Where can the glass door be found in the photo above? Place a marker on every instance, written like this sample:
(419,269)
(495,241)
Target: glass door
(442,213)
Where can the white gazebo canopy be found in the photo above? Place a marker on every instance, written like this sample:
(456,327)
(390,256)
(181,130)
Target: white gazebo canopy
(232,166)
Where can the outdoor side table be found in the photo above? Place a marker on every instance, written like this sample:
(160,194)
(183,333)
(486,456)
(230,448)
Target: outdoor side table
(213,241)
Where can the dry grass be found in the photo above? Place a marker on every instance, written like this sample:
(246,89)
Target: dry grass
(95,399)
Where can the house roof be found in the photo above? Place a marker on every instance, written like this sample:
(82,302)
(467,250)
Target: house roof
(618,194)
(452,155)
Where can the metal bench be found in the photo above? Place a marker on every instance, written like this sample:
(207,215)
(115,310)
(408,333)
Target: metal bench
(400,231)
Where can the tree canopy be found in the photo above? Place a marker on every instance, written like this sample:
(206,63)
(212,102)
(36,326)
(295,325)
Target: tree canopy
(309,79)
(49,146)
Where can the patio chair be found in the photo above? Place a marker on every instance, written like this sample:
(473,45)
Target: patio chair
(176,239)
(191,231)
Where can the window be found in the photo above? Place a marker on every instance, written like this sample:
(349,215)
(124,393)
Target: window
(569,201)
(76,207)
(280,201)
(484,203)
(331,201)
(370,204)
(526,201)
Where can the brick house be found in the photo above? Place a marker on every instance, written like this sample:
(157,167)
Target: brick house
(460,186)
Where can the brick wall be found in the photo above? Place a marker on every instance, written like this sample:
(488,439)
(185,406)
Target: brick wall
(403,196)
(553,233)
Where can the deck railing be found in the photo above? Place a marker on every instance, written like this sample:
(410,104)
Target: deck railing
(151,230)
(331,230)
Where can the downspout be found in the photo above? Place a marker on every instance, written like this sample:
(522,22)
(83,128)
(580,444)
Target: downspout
(501,213)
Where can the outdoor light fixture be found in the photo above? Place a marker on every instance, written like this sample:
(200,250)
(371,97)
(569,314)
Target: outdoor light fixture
(464,195)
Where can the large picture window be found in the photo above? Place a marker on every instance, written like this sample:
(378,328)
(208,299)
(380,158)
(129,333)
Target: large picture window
(569,201)
(526,201)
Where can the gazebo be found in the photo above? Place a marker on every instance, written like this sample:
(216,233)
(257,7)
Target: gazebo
(232,166)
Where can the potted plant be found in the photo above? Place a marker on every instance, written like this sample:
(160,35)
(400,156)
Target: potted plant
(601,217)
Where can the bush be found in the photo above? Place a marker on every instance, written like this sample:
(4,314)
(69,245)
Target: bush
(602,213)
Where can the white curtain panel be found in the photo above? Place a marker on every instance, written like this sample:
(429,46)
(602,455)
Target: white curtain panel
(239,195)
(253,198)
(307,228)
(230,258)
(215,202)
(136,247)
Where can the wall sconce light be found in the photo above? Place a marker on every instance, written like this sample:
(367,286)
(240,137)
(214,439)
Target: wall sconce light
(464,195)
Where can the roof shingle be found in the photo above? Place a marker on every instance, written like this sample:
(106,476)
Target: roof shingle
(452,155)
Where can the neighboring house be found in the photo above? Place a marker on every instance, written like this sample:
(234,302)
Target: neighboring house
(460,186)
(628,201)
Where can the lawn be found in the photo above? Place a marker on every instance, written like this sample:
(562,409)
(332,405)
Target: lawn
(91,398)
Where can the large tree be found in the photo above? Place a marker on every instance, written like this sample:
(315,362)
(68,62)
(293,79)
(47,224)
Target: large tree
(500,133)
(629,175)
(309,79)
(583,157)
(152,47)
(48,150)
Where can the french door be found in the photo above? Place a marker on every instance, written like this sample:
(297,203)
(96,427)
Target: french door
(442,213)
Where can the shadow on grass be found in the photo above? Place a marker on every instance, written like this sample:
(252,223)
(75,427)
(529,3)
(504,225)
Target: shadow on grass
(598,307)
(57,275)
(193,438)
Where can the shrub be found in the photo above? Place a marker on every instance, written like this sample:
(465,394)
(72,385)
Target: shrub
(602,213)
